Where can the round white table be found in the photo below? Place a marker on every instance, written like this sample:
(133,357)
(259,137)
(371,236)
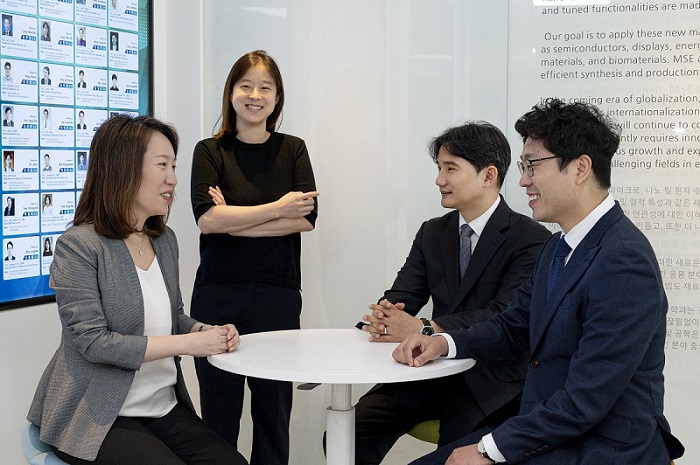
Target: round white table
(341,357)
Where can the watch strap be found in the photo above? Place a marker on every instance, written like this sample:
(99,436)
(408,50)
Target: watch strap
(481,449)
(427,328)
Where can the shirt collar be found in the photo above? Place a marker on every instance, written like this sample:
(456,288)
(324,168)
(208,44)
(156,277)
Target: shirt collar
(578,232)
(479,223)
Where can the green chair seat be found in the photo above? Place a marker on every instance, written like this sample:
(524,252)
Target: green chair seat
(428,431)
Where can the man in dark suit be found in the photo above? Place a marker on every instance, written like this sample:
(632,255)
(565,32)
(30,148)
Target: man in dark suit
(501,249)
(46,80)
(7,122)
(6,25)
(81,80)
(10,251)
(7,77)
(10,208)
(81,120)
(592,316)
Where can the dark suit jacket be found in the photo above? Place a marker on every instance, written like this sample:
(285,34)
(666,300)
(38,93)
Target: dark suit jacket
(82,85)
(595,387)
(8,123)
(503,259)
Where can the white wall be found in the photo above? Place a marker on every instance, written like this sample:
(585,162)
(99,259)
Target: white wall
(28,339)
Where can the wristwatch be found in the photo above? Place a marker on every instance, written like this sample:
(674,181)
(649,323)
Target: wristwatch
(427,329)
(481,449)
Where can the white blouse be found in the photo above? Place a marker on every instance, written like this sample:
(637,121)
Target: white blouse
(152,392)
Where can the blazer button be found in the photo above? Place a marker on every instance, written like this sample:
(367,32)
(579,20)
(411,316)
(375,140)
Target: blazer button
(534,363)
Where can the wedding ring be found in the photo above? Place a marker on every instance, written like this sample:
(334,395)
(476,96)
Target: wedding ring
(385,330)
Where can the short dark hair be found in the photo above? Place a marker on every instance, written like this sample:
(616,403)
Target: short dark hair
(480,143)
(570,130)
(238,70)
(114,175)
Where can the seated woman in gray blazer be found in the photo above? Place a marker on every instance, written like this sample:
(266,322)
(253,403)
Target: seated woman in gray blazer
(114,392)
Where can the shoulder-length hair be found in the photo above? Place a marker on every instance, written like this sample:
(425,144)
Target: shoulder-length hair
(238,70)
(114,176)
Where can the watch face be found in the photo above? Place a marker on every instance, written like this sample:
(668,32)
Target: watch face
(427,330)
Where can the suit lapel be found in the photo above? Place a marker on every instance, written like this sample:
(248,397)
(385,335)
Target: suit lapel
(449,252)
(577,266)
(124,268)
(490,240)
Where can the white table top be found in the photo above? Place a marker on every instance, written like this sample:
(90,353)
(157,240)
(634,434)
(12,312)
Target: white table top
(337,356)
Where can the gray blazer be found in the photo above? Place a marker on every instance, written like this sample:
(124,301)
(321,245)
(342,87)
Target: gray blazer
(100,305)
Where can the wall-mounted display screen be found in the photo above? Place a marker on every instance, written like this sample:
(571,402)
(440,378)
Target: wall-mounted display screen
(67,66)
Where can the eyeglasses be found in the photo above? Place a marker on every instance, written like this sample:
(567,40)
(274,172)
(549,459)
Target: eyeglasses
(529,167)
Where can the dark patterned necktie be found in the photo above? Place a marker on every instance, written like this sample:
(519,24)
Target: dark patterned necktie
(465,248)
(558,261)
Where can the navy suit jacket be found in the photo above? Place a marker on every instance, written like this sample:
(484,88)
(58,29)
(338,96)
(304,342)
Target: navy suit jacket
(595,388)
(503,259)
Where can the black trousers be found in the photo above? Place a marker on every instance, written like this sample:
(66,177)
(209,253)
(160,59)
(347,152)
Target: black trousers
(252,307)
(178,438)
(388,411)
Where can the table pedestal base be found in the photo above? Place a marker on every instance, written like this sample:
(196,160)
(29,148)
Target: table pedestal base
(340,427)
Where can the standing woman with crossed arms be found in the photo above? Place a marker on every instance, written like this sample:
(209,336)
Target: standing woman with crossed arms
(253,193)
